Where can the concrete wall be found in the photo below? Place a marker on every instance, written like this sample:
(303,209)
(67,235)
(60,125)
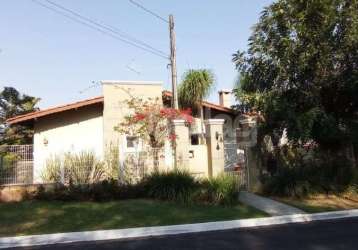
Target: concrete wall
(198,160)
(115,95)
(205,160)
(215,142)
(70,131)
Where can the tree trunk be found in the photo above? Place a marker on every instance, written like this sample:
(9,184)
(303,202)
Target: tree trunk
(155,159)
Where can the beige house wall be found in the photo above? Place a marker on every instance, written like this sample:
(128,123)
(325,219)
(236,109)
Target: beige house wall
(116,93)
(71,131)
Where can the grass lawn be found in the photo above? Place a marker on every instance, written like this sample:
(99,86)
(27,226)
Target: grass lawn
(37,217)
(321,203)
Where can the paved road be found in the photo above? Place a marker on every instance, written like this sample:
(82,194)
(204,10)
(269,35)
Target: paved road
(327,235)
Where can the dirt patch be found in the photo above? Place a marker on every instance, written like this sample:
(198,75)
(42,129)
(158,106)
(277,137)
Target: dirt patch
(16,193)
(332,201)
(322,203)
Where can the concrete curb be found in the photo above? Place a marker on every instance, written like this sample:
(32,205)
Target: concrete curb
(46,239)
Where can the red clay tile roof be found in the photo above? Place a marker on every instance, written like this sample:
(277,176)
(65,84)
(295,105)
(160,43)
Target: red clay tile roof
(45,112)
(96,100)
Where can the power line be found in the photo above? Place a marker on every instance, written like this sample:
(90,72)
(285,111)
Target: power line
(105,26)
(148,11)
(99,29)
(93,85)
(138,41)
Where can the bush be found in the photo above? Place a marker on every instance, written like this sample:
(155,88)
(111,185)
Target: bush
(177,186)
(220,190)
(52,171)
(320,174)
(287,181)
(180,186)
(80,168)
(102,191)
(330,176)
(172,186)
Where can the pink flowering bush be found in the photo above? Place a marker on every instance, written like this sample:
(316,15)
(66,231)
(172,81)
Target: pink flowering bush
(151,122)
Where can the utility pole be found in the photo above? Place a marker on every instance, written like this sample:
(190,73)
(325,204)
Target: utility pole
(173,67)
(173,64)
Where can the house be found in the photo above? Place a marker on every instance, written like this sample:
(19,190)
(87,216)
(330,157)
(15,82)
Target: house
(89,125)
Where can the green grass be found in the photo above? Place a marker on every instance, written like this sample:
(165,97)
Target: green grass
(38,217)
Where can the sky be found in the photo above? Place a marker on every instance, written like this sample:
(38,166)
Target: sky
(47,55)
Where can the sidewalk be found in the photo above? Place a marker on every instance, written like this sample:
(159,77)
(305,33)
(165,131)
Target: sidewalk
(267,205)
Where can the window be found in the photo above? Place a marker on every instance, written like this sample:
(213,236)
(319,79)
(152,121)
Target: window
(194,139)
(132,141)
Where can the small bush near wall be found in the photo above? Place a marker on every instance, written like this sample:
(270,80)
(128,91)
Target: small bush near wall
(222,189)
(182,187)
(173,185)
(177,186)
(101,191)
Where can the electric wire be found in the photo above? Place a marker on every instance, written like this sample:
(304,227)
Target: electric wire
(114,36)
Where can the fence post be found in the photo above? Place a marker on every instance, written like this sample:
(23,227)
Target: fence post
(247,139)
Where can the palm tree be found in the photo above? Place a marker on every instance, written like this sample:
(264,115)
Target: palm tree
(195,87)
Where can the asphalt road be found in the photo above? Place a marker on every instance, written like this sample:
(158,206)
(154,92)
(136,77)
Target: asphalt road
(324,235)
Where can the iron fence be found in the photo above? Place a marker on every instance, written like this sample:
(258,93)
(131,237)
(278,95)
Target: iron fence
(16,164)
(240,176)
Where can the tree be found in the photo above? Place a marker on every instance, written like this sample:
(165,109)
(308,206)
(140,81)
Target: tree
(301,71)
(195,87)
(150,121)
(12,103)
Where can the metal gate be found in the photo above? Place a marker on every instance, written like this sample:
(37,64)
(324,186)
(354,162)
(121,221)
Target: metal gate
(235,162)
(16,164)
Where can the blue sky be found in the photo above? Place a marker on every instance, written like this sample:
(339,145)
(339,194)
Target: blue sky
(48,56)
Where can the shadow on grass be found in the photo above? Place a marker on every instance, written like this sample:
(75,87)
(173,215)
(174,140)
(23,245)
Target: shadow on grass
(38,217)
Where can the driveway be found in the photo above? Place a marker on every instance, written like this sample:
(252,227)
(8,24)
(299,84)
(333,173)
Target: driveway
(323,235)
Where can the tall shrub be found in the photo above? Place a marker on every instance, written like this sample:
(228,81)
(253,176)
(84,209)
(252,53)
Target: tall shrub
(77,168)
(221,190)
(174,185)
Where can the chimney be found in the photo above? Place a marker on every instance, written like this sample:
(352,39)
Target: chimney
(225,98)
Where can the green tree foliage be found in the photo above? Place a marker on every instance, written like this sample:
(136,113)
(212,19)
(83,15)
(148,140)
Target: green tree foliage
(12,103)
(195,87)
(301,70)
